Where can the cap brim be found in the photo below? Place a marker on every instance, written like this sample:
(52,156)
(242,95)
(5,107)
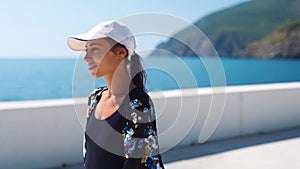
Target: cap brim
(78,42)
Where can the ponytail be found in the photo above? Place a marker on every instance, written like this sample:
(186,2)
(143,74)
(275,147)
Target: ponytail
(137,73)
(136,70)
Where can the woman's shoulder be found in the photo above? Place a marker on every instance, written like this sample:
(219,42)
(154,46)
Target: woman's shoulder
(140,100)
(138,92)
(97,90)
(95,94)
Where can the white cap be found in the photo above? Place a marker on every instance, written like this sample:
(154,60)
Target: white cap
(113,29)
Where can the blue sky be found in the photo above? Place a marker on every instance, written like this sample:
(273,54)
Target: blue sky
(40,28)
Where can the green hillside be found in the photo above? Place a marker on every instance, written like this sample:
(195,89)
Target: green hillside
(232,29)
(282,43)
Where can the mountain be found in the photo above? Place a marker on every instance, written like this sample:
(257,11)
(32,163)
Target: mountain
(232,29)
(282,43)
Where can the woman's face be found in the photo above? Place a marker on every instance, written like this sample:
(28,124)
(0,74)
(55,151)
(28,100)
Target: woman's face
(100,58)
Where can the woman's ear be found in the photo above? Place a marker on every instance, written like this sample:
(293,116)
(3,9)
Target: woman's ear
(122,52)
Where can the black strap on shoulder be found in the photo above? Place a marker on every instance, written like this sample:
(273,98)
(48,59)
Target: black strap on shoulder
(99,91)
(96,93)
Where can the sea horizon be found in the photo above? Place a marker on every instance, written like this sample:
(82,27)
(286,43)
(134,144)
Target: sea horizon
(53,78)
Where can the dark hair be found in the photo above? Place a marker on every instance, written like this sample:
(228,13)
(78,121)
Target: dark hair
(137,72)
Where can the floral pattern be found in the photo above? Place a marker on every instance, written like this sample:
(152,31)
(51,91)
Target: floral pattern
(139,132)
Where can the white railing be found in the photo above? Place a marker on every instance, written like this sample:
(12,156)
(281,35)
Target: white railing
(46,133)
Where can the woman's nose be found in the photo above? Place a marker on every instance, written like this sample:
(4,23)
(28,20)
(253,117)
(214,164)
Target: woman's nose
(87,56)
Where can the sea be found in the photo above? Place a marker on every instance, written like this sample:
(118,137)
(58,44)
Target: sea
(53,78)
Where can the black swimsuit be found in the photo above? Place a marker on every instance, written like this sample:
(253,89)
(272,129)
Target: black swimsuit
(100,156)
(104,142)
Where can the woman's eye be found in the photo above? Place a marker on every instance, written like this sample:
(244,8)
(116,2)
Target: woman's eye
(94,49)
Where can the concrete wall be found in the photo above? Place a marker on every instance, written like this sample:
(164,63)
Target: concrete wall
(46,133)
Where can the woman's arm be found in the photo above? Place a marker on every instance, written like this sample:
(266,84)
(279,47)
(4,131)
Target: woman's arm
(140,136)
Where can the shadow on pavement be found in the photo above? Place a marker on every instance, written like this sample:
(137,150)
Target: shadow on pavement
(215,147)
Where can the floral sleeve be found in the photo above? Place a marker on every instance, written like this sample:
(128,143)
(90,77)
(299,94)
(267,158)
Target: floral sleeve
(140,135)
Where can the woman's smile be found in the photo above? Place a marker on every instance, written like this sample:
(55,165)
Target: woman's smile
(92,67)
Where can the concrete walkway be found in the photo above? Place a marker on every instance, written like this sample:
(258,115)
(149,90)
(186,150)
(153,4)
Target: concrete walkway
(278,150)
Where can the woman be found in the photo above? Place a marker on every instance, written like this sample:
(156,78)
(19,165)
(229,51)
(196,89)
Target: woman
(121,126)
